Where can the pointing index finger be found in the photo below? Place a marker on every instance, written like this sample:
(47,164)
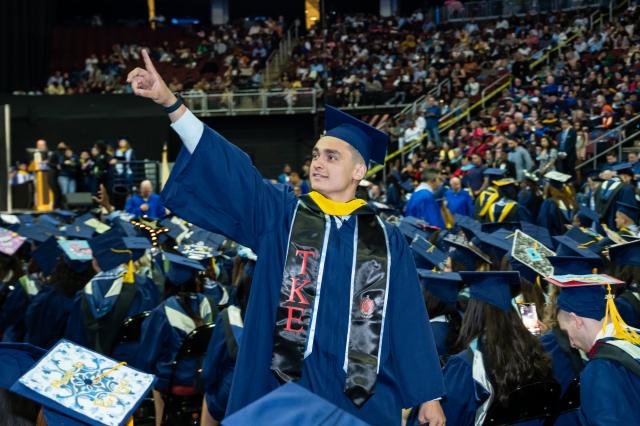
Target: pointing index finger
(147,62)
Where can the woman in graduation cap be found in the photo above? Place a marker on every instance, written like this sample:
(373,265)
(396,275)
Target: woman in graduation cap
(164,331)
(498,353)
(337,305)
(48,313)
(114,294)
(219,365)
(559,205)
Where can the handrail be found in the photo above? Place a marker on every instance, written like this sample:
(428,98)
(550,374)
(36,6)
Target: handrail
(394,154)
(611,148)
(616,129)
(279,55)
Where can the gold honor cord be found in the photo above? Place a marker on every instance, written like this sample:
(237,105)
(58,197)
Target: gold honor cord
(129,276)
(621,329)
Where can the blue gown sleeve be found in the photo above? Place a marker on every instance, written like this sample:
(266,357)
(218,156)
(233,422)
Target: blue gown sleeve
(218,189)
(419,377)
(155,333)
(158,210)
(13,310)
(548,218)
(609,394)
(459,403)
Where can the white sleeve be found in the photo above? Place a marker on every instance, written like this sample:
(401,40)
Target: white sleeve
(190,129)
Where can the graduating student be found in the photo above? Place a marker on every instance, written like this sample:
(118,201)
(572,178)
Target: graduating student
(609,383)
(497,202)
(559,205)
(220,362)
(626,219)
(114,294)
(166,328)
(613,190)
(337,304)
(499,353)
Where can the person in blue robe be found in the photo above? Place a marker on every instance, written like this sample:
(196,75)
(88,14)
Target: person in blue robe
(13,310)
(164,331)
(214,185)
(470,375)
(147,203)
(559,206)
(607,197)
(609,383)
(219,365)
(423,203)
(458,199)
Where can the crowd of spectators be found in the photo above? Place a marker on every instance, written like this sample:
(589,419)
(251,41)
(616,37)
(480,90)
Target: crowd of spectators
(220,57)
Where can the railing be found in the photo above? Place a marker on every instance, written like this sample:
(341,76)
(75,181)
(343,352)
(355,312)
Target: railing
(287,101)
(492,9)
(280,56)
(620,133)
(130,173)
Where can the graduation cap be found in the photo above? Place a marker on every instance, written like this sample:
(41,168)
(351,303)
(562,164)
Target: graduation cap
(78,231)
(504,182)
(25,218)
(292,405)
(490,227)
(46,255)
(588,216)
(210,239)
(569,247)
(174,230)
(539,233)
(49,219)
(529,257)
(496,244)
(494,172)
(64,214)
(533,177)
(556,178)
(15,360)
(574,265)
(631,211)
(465,252)
(493,288)
(467,224)
(625,254)
(181,269)
(444,285)
(427,255)
(10,242)
(584,301)
(110,405)
(38,232)
(370,142)
(77,254)
(125,228)
(623,169)
(112,250)
(412,226)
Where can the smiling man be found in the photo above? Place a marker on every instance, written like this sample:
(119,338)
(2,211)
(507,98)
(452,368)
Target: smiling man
(335,303)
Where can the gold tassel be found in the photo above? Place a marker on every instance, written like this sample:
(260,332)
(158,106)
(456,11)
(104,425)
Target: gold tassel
(621,329)
(538,283)
(129,276)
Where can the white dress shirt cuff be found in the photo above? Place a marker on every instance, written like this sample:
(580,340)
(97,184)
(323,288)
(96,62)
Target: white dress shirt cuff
(190,130)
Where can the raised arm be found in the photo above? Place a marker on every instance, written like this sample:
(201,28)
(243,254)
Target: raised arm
(213,183)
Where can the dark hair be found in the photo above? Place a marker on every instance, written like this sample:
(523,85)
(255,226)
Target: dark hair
(243,290)
(436,307)
(512,356)
(430,174)
(68,281)
(184,295)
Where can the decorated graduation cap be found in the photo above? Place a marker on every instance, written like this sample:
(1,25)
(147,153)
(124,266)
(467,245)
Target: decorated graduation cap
(557,179)
(77,254)
(15,360)
(464,252)
(180,269)
(569,247)
(444,285)
(493,288)
(530,257)
(292,405)
(78,231)
(427,255)
(566,265)
(631,211)
(625,254)
(174,229)
(110,391)
(10,242)
(46,255)
(370,142)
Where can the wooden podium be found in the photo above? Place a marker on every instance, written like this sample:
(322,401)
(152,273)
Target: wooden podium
(43,193)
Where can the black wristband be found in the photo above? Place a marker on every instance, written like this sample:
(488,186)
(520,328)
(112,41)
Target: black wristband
(175,105)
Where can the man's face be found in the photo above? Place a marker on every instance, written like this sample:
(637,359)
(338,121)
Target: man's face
(455,184)
(287,169)
(146,189)
(333,167)
(575,328)
(632,157)
(622,220)
(475,158)
(611,159)
(41,145)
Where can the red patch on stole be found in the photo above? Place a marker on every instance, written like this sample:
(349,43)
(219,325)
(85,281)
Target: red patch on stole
(367,305)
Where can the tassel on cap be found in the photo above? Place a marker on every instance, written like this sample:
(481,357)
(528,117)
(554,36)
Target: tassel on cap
(621,329)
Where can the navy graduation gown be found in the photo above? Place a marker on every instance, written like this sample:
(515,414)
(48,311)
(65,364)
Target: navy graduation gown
(563,373)
(146,298)
(609,394)
(423,205)
(217,188)
(217,372)
(46,317)
(440,332)
(12,314)
(551,217)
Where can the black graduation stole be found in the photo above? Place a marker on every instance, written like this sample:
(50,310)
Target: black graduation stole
(300,295)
